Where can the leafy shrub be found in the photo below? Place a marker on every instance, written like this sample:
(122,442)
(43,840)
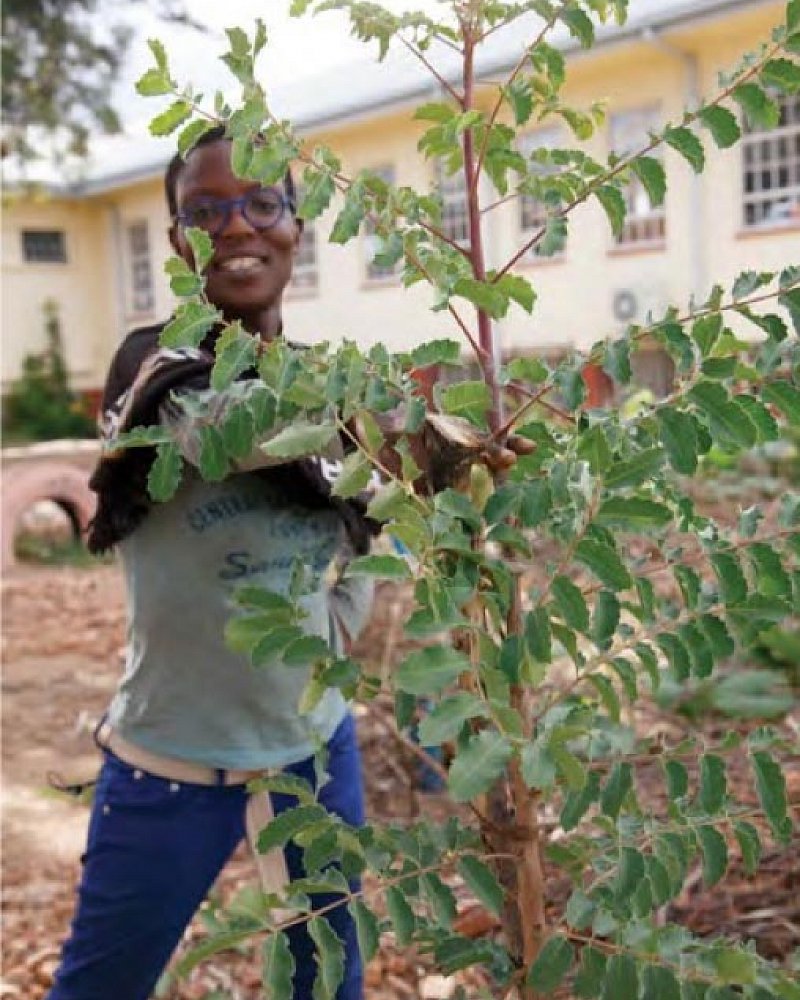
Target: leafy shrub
(41,406)
(533,680)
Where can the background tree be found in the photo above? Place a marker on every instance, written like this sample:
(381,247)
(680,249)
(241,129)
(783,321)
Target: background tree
(534,678)
(59,67)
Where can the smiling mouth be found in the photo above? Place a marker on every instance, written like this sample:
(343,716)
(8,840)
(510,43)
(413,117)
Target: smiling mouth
(240,265)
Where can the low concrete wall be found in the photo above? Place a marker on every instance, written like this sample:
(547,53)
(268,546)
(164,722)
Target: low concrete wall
(52,470)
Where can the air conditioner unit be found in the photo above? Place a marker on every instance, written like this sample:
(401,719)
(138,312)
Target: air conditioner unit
(638,304)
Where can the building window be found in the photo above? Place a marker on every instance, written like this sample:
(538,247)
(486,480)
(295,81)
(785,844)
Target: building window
(533,211)
(372,242)
(44,246)
(304,270)
(771,169)
(142,295)
(455,210)
(644,223)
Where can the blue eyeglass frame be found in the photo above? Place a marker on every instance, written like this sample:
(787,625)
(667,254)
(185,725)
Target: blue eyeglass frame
(227,205)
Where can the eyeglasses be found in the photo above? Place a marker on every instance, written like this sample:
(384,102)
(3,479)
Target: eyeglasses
(262,208)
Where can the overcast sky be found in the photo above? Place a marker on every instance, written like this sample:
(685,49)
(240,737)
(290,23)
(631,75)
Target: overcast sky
(298,47)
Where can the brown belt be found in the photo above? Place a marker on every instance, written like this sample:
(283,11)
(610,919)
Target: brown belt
(271,867)
(170,767)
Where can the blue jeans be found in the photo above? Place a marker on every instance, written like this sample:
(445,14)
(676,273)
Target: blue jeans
(155,848)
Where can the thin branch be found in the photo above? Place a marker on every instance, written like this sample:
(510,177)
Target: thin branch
(445,84)
(595,355)
(627,161)
(547,27)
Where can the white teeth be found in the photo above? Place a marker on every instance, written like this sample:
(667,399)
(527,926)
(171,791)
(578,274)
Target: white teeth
(240,263)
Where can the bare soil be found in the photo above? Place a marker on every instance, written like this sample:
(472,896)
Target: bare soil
(64,630)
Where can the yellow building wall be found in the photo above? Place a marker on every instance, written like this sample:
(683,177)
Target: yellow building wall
(704,238)
(81,288)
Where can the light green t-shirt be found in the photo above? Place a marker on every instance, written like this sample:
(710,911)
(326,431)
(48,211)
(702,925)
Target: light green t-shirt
(184,693)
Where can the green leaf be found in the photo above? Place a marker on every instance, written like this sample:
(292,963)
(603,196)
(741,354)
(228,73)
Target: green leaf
(589,980)
(538,766)
(613,203)
(593,448)
(484,295)
(604,562)
(191,322)
(771,789)
(278,966)
(688,145)
(428,670)
(445,720)
(154,83)
(792,15)
(388,501)
(401,915)
(476,767)
(642,467)
(183,279)
(164,476)
(519,289)
(715,854)
(568,766)
(677,779)
(676,653)
(722,124)
(758,106)
(781,74)
(538,636)
(677,430)
(577,803)
(734,965)
(713,785)
(651,173)
(175,115)
(287,825)
(570,603)
(299,439)
(579,24)
(731,579)
(630,873)
(659,983)
(519,96)
(355,476)
(367,931)
(213,462)
(329,957)
(727,418)
(716,632)
(552,963)
(787,399)
(238,432)
(436,352)
(618,786)
(482,883)
(621,979)
(606,620)
(706,331)
(385,567)
(633,514)
(236,352)
(749,845)
(203,250)
(441,898)
(306,650)
(466,398)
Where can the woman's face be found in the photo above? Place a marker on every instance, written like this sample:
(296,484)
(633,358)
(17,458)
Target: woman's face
(251,266)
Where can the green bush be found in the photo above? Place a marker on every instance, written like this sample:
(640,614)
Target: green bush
(41,406)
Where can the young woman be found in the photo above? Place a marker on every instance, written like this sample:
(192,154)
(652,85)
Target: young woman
(192,721)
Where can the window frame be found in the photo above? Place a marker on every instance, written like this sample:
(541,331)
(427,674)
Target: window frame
(375,274)
(451,188)
(305,266)
(531,208)
(38,231)
(634,192)
(140,264)
(761,140)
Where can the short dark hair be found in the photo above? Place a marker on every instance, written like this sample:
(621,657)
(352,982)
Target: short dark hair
(177,163)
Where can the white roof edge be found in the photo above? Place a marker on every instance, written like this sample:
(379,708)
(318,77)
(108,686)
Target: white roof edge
(364,109)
